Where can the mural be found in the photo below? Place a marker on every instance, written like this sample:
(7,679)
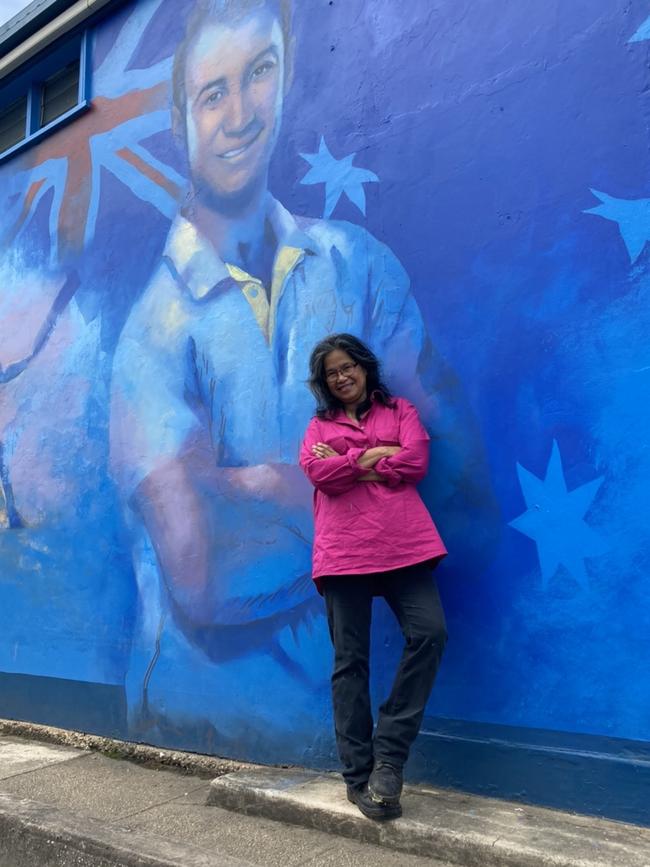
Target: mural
(252,177)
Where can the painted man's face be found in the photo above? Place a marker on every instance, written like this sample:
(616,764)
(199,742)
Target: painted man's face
(234,81)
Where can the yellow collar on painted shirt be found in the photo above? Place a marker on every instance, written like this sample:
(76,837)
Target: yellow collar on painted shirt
(197,265)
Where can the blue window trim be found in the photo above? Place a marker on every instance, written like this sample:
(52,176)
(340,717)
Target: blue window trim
(29,83)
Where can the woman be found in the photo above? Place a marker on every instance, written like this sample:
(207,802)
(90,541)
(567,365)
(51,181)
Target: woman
(364,452)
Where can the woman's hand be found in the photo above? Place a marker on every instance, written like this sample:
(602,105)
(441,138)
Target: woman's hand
(371,476)
(370,457)
(322,450)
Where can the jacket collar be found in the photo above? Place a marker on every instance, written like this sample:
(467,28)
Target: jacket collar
(340,416)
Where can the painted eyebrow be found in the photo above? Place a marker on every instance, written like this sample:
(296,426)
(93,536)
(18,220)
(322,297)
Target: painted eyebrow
(272,49)
(222,82)
(217,82)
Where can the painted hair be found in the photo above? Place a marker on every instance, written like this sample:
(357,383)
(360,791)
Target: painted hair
(224,12)
(326,403)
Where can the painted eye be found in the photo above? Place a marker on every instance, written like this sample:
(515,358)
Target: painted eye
(263,69)
(214,97)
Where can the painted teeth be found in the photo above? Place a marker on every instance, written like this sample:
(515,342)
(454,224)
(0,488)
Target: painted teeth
(235,153)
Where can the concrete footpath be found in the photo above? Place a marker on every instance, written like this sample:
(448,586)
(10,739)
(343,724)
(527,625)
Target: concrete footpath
(84,804)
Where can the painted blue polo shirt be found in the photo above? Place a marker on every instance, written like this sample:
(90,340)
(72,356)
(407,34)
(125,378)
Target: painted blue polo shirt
(207,352)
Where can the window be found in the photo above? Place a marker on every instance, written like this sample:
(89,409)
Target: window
(59,93)
(12,123)
(44,95)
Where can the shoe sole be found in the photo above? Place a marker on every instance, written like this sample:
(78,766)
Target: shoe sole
(383,813)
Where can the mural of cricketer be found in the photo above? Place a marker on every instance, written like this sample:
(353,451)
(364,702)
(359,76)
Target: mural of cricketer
(209,403)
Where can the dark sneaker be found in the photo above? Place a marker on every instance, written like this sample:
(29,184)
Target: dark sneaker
(371,809)
(385,784)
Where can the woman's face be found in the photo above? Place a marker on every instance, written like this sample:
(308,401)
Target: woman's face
(345,378)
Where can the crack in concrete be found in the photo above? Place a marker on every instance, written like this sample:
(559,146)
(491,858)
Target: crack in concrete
(160,804)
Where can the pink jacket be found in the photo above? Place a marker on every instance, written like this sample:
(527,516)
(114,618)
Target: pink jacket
(363,527)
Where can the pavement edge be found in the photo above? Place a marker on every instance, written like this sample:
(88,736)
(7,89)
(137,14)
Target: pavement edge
(467,830)
(34,833)
(204,766)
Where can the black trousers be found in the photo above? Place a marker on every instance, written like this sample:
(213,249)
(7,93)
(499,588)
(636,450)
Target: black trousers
(413,597)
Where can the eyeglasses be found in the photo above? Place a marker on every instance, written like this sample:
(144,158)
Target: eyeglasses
(343,370)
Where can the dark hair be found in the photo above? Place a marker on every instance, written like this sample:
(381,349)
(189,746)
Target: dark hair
(225,12)
(327,404)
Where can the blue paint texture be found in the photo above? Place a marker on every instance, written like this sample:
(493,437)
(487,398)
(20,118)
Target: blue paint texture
(438,172)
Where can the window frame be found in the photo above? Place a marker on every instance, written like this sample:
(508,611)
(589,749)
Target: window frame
(29,82)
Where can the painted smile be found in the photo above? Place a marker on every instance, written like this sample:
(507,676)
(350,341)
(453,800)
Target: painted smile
(235,152)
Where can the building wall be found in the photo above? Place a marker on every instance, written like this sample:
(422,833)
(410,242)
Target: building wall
(474,185)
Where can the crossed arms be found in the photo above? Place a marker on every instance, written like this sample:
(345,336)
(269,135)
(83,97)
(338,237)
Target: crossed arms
(334,473)
(367,460)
